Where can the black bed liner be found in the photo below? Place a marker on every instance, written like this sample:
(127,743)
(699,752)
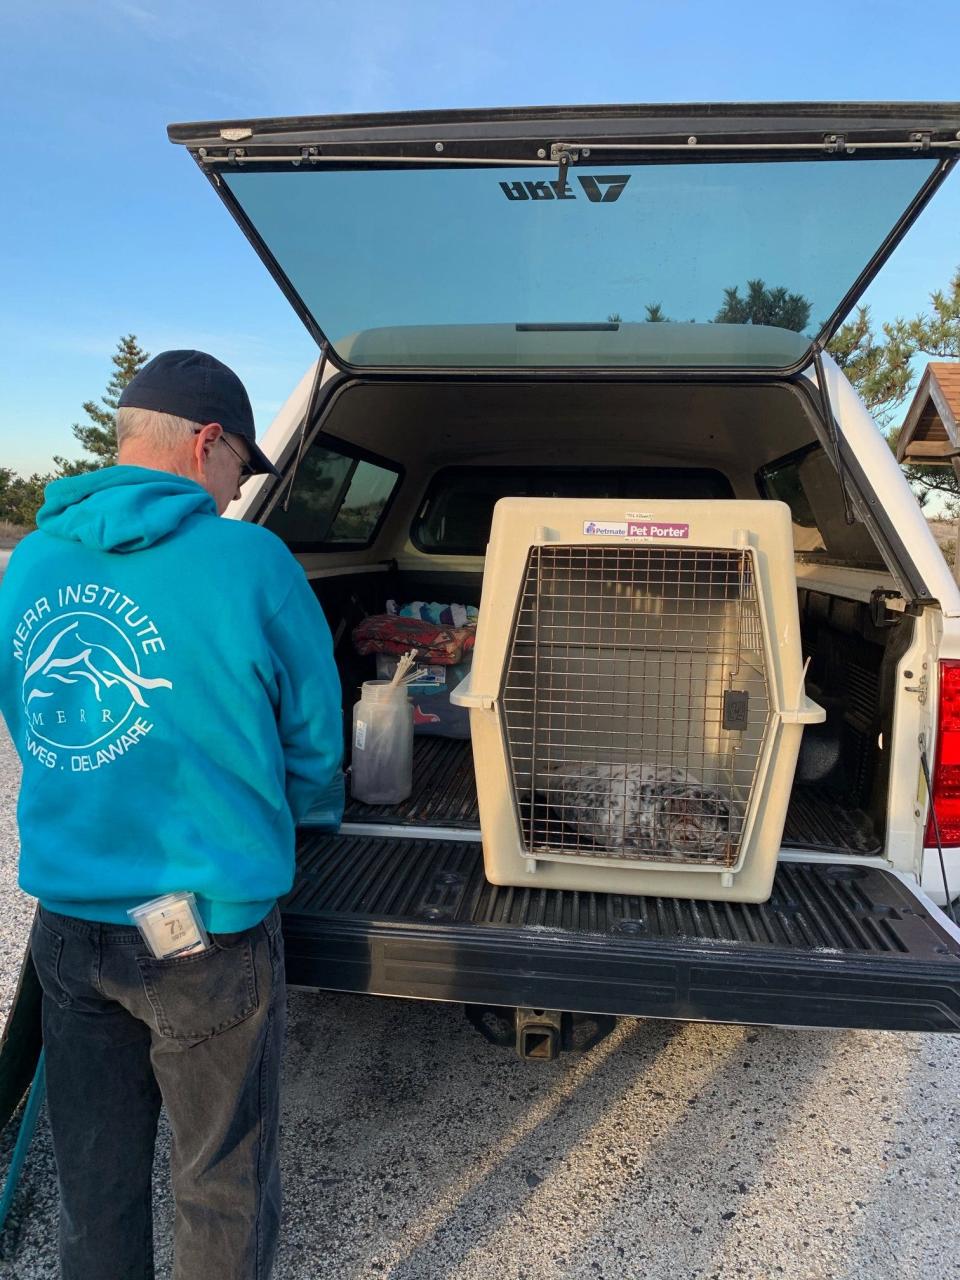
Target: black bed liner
(445,795)
(836,945)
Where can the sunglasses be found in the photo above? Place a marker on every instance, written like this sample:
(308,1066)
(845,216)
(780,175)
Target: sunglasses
(246,471)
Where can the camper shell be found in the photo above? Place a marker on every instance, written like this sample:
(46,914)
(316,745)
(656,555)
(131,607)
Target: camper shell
(488,292)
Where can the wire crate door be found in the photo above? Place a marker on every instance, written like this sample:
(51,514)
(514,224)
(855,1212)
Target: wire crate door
(635,702)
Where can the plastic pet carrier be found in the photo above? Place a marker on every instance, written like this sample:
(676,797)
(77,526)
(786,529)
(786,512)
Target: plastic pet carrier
(636,698)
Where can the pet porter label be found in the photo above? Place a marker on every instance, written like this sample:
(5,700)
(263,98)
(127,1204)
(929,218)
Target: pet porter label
(658,530)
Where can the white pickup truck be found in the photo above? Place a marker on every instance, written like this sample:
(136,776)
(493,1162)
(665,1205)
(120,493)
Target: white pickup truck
(528,303)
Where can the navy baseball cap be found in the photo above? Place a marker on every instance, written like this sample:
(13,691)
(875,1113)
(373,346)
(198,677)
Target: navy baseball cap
(193,385)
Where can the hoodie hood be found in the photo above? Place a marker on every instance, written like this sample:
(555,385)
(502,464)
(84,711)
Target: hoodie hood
(121,509)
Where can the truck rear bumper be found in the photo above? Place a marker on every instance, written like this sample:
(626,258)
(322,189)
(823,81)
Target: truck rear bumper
(836,945)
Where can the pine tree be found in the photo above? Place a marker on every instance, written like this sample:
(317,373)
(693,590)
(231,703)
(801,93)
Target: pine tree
(879,369)
(20,497)
(938,334)
(883,374)
(764,306)
(99,436)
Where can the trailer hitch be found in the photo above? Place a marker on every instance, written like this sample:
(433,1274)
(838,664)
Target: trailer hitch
(539,1035)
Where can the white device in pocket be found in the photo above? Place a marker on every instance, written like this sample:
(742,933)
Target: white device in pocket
(171,925)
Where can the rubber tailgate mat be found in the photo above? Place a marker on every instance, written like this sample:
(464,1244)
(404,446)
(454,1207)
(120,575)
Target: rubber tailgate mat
(445,795)
(814,907)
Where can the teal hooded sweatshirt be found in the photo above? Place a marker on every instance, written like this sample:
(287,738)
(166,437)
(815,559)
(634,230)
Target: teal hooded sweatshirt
(167,677)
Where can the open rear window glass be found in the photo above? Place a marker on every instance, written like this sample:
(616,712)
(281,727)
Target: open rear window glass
(393,262)
(807,482)
(455,516)
(338,500)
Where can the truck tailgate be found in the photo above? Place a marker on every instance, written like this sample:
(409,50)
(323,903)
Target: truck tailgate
(836,945)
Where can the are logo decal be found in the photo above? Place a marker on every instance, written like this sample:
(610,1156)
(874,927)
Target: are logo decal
(598,188)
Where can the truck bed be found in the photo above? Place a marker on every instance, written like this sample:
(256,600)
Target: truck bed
(445,795)
(405,915)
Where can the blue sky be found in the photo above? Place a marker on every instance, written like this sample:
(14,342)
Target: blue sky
(107,228)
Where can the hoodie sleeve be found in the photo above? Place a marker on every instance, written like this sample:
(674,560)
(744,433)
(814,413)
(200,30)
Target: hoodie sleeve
(309,717)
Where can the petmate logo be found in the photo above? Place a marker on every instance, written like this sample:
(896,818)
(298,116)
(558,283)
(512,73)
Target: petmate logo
(88,655)
(601,529)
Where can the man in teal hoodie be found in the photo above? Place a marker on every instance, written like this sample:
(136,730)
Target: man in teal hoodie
(168,680)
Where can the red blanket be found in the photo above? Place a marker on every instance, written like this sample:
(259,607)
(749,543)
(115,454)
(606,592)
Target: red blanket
(387,633)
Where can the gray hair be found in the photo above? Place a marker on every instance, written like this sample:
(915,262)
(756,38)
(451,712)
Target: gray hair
(162,430)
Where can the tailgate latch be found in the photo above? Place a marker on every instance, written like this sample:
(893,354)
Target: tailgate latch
(878,607)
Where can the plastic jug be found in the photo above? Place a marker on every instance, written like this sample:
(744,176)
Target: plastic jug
(382,771)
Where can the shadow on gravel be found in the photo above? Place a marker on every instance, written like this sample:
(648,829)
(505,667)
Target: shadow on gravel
(412,1149)
(674,1210)
(434,1149)
(908,1216)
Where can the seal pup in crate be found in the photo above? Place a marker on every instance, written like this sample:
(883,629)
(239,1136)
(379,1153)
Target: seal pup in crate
(631,808)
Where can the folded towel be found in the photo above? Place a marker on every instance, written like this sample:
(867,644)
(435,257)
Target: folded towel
(447,615)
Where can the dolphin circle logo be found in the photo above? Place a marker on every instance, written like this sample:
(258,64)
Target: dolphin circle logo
(82,680)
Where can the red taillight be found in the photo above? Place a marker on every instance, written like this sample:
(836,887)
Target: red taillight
(946,769)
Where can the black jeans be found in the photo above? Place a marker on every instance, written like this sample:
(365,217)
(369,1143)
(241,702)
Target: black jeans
(204,1033)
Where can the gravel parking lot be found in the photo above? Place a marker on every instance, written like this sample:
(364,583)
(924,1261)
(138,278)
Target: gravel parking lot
(414,1150)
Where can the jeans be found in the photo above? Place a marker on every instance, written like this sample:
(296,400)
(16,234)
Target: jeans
(204,1034)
